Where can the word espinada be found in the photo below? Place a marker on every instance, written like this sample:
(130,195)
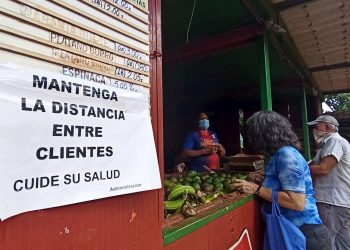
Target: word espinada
(73,88)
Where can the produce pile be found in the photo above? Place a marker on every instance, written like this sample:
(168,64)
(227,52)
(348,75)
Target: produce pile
(186,191)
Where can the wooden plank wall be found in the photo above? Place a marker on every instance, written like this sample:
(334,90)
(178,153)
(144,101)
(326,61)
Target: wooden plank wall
(225,231)
(130,221)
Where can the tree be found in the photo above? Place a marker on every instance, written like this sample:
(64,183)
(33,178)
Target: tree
(338,102)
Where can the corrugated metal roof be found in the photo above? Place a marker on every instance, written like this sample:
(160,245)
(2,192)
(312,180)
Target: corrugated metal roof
(321,32)
(343,117)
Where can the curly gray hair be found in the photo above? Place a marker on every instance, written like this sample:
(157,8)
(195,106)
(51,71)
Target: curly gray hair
(267,131)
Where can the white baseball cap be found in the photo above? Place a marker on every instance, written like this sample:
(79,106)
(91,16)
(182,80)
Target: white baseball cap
(326,119)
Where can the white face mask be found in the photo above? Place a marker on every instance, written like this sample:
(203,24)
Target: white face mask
(319,136)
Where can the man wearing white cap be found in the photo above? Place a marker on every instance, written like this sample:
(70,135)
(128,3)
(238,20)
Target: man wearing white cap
(331,171)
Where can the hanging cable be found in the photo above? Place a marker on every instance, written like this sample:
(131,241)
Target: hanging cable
(189,24)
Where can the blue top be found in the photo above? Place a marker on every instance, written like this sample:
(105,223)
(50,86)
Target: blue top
(198,140)
(288,170)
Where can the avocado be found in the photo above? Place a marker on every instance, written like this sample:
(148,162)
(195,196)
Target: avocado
(207,187)
(173,179)
(196,186)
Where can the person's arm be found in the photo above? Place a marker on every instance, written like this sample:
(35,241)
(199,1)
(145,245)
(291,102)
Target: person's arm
(199,152)
(290,171)
(287,199)
(324,167)
(331,154)
(188,148)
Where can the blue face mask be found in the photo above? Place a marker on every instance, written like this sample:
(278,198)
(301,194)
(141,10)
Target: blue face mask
(203,124)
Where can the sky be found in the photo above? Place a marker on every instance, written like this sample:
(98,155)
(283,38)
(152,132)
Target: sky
(325,107)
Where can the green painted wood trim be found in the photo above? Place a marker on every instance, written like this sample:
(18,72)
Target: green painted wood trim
(173,234)
(264,72)
(307,154)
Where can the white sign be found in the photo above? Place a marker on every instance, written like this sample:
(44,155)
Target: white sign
(66,140)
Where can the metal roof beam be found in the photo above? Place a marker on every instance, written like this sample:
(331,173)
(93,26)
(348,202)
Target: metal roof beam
(251,91)
(330,67)
(293,54)
(338,91)
(281,6)
(216,44)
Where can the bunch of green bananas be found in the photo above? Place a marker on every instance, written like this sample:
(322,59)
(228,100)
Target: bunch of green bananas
(176,199)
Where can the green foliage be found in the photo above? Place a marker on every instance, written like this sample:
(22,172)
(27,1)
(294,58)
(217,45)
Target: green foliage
(338,102)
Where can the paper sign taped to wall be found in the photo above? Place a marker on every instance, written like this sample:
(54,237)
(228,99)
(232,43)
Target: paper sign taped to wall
(66,140)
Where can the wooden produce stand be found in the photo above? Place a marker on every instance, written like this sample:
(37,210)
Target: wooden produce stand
(243,163)
(179,228)
(218,225)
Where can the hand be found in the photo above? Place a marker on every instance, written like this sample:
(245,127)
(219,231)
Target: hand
(245,187)
(215,148)
(180,167)
(209,150)
(220,148)
(256,177)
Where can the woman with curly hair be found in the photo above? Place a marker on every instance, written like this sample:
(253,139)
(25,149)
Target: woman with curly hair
(287,173)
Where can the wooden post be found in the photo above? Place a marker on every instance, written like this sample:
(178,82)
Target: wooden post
(304,125)
(264,72)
